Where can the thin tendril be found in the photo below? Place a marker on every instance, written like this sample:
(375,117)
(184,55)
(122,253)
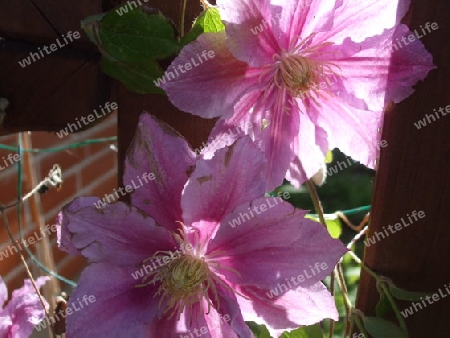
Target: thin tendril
(183,14)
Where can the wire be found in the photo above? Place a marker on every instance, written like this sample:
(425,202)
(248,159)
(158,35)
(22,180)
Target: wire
(349,212)
(358,210)
(57,149)
(364,208)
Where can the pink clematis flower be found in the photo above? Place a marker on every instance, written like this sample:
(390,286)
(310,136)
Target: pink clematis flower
(309,75)
(23,312)
(176,263)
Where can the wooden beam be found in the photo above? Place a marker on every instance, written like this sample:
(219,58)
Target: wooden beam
(57,88)
(413,174)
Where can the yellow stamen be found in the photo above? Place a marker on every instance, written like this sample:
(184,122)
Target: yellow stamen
(300,71)
(183,282)
(300,74)
(187,279)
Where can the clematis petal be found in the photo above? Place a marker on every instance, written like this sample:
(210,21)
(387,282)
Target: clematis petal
(246,121)
(258,29)
(219,325)
(302,18)
(276,243)
(24,309)
(233,176)
(193,321)
(378,73)
(64,237)
(118,308)
(100,235)
(212,88)
(353,131)
(303,306)
(5,324)
(206,321)
(277,137)
(28,288)
(249,28)
(274,139)
(148,154)
(166,327)
(358,20)
(228,306)
(3,293)
(310,146)
(411,59)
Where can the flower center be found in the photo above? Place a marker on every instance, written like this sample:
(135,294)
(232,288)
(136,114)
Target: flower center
(301,75)
(184,281)
(301,71)
(297,73)
(184,276)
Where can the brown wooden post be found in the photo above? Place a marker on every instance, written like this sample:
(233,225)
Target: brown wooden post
(413,174)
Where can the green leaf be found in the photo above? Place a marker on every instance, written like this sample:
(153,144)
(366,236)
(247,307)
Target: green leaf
(136,77)
(381,328)
(131,44)
(260,331)
(313,331)
(329,157)
(383,307)
(334,225)
(137,36)
(208,21)
(407,295)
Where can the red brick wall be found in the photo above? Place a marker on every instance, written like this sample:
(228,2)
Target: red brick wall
(87,171)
